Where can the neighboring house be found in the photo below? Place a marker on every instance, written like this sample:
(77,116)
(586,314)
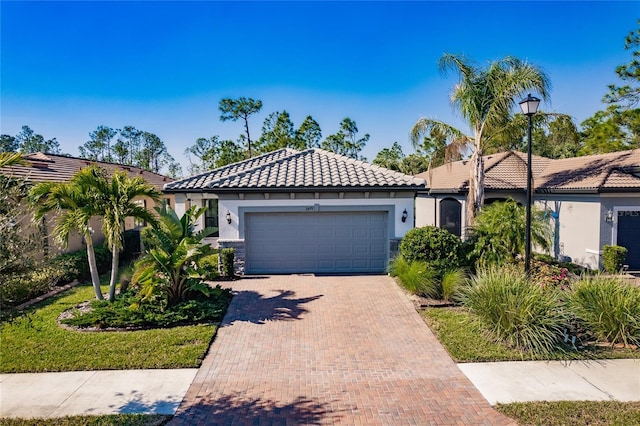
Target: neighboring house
(592,201)
(59,168)
(308,211)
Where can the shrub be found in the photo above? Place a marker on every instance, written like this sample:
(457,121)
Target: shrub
(439,248)
(128,311)
(499,233)
(228,260)
(415,276)
(519,313)
(608,307)
(613,258)
(19,288)
(209,266)
(76,264)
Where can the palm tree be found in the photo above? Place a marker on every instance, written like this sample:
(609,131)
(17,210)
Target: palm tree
(75,204)
(485,98)
(12,159)
(117,196)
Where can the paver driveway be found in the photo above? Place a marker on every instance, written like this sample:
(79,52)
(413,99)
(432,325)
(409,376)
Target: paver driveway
(329,350)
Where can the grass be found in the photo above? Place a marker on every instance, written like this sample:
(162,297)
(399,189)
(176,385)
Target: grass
(33,342)
(592,413)
(104,420)
(467,340)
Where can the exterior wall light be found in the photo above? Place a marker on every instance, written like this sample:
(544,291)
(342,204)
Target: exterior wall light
(405,215)
(228,216)
(609,216)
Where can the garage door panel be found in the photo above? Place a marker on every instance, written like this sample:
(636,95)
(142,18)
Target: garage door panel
(316,242)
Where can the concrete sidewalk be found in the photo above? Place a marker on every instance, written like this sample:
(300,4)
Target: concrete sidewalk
(521,381)
(161,391)
(93,392)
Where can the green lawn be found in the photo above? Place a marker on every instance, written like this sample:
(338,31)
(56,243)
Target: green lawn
(592,413)
(105,420)
(464,336)
(34,342)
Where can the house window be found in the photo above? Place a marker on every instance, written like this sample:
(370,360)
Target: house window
(137,222)
(451,216)
(211,216)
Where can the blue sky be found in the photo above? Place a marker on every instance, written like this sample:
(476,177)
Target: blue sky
(68,67)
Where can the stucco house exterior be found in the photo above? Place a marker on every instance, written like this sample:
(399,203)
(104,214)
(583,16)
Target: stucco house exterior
(308,211)
(44,167)
(592,201)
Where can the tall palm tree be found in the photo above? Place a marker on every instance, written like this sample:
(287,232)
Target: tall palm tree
(485,98)
(75,204)
(117,202)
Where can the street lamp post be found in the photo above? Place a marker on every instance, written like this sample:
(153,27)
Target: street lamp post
(529,107)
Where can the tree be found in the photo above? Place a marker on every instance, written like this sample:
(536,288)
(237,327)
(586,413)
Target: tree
(75,203)
(98,148)
(278,132)
(618,127)
(153,155)
(205,151)
(116,201)
(413,164)
(554,135)
(309,133)
(628,95)
(8,143)
(29,141)
(241,108)
(169,267)
(127,146)
(390,158)
(485,98)
(16,247)
(346,142)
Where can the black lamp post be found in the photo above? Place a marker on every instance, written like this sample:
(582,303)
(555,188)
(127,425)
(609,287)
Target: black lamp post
(529,107)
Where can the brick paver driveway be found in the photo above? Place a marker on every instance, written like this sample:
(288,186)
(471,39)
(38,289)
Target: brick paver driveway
(329,350)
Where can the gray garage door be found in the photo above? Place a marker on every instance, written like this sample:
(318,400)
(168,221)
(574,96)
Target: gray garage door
(332,242)
(629,237)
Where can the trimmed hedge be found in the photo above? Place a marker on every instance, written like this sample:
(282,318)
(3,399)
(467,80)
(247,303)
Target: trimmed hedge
(228,260)
(613,258)
(76,264)
(439,248)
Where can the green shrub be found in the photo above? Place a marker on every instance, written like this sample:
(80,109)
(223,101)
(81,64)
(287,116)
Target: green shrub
(415,276)
(521,314)
(613,258)
(76,264)
(499,233)
(128,311)
(18,288)
(228,260)
(209,266)
(608,307)
(439,248)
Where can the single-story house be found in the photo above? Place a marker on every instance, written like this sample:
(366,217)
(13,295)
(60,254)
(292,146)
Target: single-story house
(592,201)
(43,167)
(308,211)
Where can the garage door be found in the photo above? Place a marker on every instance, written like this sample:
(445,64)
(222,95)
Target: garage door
(331,242)
(629,237)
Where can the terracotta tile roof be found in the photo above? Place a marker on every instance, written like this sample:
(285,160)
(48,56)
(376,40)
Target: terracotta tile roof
(289,169)
(508,170)
(59,168)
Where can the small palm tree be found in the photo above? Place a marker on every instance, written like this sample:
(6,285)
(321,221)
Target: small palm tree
(117,202)
(169,269)
(75,204)
(485,97)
